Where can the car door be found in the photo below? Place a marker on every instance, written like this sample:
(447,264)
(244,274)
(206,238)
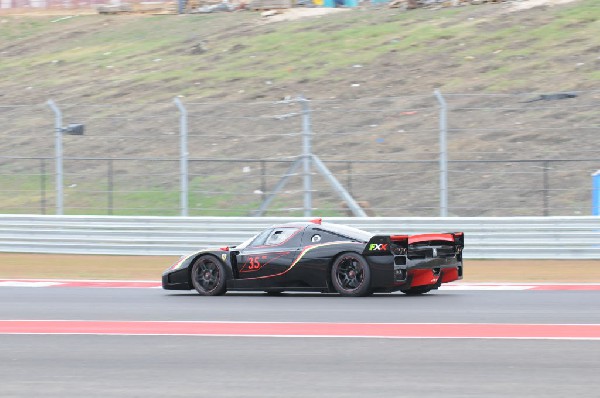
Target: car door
(270,254)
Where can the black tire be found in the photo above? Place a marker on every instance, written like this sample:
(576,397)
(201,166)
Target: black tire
(351,276)
(417,290)
(209,276)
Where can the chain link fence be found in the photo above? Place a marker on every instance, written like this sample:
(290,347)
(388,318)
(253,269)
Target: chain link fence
(508,155)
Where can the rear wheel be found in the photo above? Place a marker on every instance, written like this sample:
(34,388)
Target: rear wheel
(209,276)
(350,275)
(415,291)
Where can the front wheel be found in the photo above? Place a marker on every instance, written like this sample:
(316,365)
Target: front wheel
(350,275)
(209,276)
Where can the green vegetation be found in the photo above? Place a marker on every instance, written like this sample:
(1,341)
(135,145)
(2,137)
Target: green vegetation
(34,194)
(159,48)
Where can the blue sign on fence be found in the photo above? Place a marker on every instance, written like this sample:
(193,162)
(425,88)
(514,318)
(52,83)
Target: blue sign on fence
(341,3)
(596,193)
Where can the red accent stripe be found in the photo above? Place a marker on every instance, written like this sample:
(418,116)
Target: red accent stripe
(302,253)
(386,330)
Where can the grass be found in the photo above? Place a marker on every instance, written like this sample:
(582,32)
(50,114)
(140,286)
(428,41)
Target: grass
(131,49)
(21,191)
(90,198)
(358,44)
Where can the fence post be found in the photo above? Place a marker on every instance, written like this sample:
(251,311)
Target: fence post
(596,193)
(183,158)
(306,156)
(545,188)
(58,156)
(443,154)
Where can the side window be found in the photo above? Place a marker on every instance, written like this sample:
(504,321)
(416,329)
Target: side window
(320,236)
(280,235)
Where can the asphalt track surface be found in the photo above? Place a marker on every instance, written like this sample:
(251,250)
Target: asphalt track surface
(125,365)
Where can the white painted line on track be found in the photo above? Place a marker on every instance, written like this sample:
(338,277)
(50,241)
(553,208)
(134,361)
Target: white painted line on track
(486,287)
(28,284)
(79,283)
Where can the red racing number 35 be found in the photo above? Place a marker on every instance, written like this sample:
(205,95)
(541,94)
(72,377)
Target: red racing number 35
(254,263)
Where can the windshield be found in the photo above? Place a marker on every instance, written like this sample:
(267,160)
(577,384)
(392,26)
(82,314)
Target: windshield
(245,243)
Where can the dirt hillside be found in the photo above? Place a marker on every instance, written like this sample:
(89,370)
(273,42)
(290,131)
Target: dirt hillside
(370,75)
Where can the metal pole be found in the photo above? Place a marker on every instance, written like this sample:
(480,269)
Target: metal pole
(183,157)
(58,156)
(443,154)
(545,188)
(306,156)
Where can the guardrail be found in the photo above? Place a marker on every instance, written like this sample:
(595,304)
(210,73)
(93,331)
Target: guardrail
(485,237)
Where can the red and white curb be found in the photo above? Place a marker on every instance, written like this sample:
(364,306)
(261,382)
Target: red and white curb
(299,329)
(156,285)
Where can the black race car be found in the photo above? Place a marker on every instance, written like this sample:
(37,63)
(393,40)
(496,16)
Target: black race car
(322,257)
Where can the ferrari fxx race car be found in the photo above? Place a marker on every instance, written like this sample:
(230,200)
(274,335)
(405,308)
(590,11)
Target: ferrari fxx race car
(322,257)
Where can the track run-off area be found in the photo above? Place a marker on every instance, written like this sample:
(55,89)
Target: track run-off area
(131,338)
(422,326)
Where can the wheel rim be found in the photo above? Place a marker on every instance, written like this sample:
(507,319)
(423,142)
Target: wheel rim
(350,273)
(207,275)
